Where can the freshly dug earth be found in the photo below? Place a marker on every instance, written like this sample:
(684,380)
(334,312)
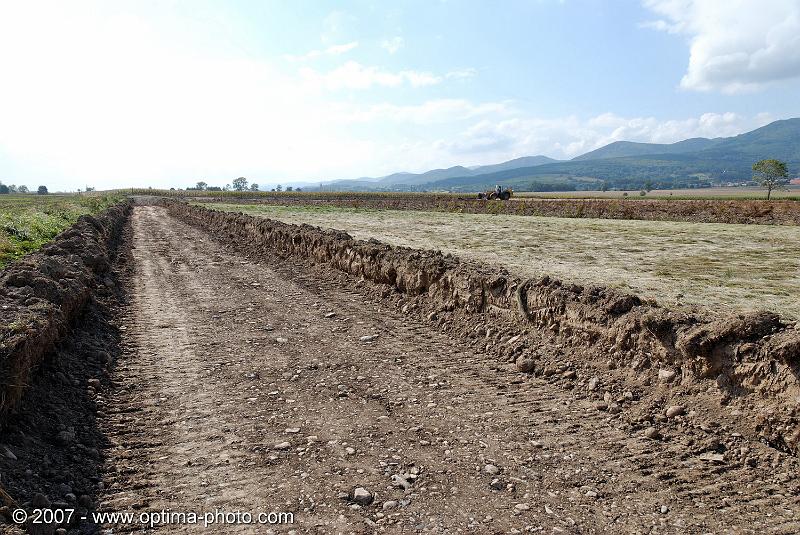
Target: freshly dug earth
(698,211)
(229,352)
(228,357)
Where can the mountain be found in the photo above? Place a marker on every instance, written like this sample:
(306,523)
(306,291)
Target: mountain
(623,165)
(690,163)
(516,163)
(415,179)
(621,149)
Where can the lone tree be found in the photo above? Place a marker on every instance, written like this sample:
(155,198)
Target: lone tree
(253,187)
(22,189)
(42,190)
(201,185)
(770,174)
(240,184)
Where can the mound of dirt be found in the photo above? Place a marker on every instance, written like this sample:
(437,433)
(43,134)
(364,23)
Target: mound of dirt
(757,212)
(43,293)
(743,354)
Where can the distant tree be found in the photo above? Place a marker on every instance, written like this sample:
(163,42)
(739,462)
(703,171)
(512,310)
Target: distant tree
(253,187)
(648,186)
(226,187)
(201,185)
(299,189)
(22,189)
(42,190)
(89,188)
(12,188)
(213,188)
(770,174)
(3,189)
(605,186)
(273,189)
(240,184)
(278,188)
(289,188)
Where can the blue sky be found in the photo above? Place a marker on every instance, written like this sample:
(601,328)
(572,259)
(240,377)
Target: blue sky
(161,94)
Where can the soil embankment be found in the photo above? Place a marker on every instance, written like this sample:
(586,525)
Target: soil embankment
(696,211)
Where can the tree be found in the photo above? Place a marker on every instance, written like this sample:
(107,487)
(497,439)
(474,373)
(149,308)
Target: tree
(89,188)
(240,184)
(3,189)
(605,186)
(201,185)
(22,189)
(299,189)
(770,174)
(278,188)
(12,188)
(289,188)
(253,187)
(42,190)
(648,186)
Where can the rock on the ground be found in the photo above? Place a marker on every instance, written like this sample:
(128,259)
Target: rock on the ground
(491,469)
(675,410)
(525,364)
(361,496)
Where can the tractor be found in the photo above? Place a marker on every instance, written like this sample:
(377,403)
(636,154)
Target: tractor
(497,193)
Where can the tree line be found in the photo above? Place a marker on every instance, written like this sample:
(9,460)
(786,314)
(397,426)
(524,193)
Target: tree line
(13,188)
(238,184)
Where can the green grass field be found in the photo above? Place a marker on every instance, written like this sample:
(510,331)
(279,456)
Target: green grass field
(29,221)
(722,266)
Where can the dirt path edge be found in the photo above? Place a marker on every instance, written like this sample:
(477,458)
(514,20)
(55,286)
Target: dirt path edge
(44,292)
(750,355)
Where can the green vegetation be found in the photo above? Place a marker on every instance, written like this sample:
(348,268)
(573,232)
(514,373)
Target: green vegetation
(29,221)
(771,174)
(672,262)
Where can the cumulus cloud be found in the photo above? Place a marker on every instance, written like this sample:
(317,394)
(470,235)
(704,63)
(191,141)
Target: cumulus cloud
(354,75)
(333,50)
(735,45)
(392,45)
(567,137)
(429,112)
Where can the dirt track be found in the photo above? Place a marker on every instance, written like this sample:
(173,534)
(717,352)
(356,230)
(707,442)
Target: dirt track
(226,357)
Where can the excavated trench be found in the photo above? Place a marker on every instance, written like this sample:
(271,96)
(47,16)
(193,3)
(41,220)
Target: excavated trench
(63,313)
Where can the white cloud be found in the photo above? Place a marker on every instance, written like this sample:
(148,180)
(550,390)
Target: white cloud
(354,75)
(567,137)
(429,112)
(333,50)
(735,45)
(393,45)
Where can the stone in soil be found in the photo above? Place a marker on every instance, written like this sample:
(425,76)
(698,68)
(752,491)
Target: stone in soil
(361,496)
(675,410)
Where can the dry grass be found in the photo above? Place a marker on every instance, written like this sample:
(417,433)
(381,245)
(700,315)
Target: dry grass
(718,265)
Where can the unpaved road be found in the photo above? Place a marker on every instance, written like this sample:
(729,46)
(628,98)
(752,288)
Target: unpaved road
(228,356)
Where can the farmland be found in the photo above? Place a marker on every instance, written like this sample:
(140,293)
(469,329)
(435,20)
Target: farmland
(29,221)
(200,347)
(726,266)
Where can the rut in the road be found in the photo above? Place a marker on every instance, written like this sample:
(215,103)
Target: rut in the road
(206,391)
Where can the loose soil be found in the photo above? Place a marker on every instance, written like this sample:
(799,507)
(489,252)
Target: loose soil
(224,354)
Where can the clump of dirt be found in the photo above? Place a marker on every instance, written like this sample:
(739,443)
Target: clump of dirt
(43,293)
(754,353)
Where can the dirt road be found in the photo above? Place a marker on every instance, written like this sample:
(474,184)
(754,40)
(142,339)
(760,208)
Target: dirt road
(248,384)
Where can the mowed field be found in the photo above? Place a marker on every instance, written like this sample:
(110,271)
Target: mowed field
(723,266)
(29,221)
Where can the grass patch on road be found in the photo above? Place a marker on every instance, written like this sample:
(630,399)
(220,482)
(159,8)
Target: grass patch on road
(722,266)
(29,221)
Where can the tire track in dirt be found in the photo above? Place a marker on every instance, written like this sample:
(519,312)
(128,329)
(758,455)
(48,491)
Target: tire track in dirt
(206,390)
